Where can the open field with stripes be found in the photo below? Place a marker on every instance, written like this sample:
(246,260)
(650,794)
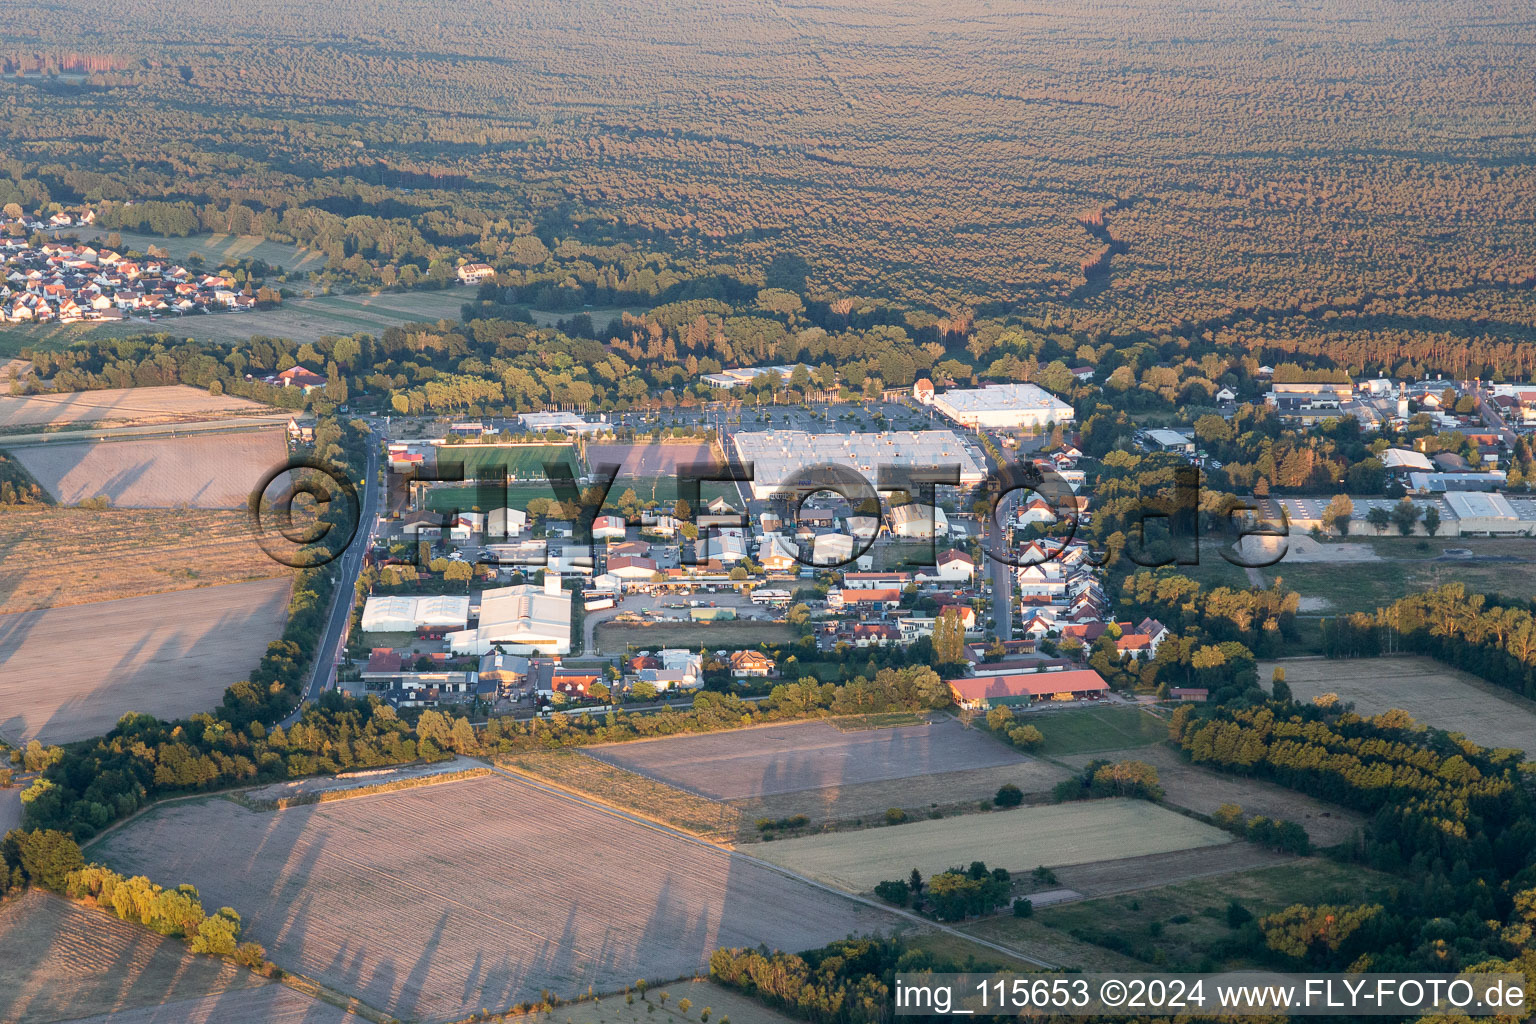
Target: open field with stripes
(391,898)
(166,654)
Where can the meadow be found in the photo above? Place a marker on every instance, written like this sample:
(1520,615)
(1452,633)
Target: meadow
(1019,840)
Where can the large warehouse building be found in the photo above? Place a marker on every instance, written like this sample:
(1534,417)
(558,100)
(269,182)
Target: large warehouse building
(777,455)
(520,620)
(1004,407)
(408,614)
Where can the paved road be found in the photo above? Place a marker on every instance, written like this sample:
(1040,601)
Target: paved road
(328,653)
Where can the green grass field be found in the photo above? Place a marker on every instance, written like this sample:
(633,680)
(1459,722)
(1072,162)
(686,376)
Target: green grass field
(463,497)
(523,462)
(1183,927)
(1366,586)
(1089,730)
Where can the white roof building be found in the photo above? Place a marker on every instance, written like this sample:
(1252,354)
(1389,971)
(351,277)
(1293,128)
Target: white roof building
(921,521)
(400,614)
(1003,406)
(521,620)
(778,455)
(566,421)
(1406,459)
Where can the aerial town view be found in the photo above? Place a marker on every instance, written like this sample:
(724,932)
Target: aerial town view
(594,512)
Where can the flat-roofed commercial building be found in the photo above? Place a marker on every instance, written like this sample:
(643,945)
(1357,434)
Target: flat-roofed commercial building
(1492,514)
(777,455)
(1004,406)
(400,614)
(519,620)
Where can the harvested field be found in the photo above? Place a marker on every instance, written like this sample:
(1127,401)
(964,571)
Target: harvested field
(918,795)
(391,898)
(61,960)
(805,755)
(215,248)
(199,471)
(1434,694)
(721,1001)
(123,407)
(71,673)
(1131,874)
(272,1003)
(53,556)
(367,779)
(1203,790)
(619,788)
(1076,833)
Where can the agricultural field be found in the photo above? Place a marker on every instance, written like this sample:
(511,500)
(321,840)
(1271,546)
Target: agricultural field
(215,249)
(1434,694)
(720,1001)
(1019,840)
(122,407)
(54,556)
(197,471)
(614,637)
(1341,587)
(1095,729)
(71,673)
(1203,790)
(302,319)
(61,960)
(389,897)
(942,793)
(616,787)
(1193,933)
(802,756)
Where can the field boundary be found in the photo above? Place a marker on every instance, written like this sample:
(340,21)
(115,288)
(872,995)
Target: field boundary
(326,796)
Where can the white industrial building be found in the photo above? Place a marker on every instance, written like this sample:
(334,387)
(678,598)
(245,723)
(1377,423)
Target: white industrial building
(520,620)
(1478,512)
(399,614)
(568,422)
(729,380)
(1003,407)
(920,521)
(777,455)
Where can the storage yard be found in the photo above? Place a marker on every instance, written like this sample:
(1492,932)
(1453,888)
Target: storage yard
(802,756)
(390,897)
(1019,840)
(166,654)
(198,471)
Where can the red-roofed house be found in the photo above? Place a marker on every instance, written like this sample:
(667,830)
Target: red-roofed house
(1026,687)
(298,377)
(877,599)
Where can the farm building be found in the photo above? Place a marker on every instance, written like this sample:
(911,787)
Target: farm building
(400,614)
(1003,406)
(521,620)
(1026,687)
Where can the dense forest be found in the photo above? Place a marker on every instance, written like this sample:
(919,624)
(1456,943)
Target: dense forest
(1256,196)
